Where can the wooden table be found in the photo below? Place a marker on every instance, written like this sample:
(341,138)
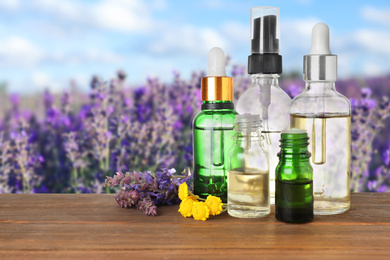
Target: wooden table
(56,226)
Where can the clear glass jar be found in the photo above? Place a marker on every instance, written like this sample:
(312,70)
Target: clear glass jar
(248,177)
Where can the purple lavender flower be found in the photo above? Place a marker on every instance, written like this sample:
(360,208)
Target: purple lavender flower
(366,93)
(147,206)
(386,156)
(127,198)
(70,142)
(160,188)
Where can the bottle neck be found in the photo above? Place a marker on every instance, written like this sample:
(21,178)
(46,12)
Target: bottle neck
(246,139)
(264,83)
(295,147)
(239,136)
(320,86)
(217,105)
(265,80)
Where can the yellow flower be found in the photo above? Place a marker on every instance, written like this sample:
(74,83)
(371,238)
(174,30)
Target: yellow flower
(200,211)
(186,206)
(183,191)
(214,204)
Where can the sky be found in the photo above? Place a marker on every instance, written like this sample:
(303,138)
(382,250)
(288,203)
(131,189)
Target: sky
(46,43)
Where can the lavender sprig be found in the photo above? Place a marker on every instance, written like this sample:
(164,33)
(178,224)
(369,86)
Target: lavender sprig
(152,189)
(127,198)
(147,206)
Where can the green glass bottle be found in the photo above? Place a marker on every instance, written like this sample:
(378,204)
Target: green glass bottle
(213,130)
(294,179)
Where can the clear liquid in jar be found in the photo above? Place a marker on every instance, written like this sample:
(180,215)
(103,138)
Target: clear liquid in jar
(248,193)
(330,138)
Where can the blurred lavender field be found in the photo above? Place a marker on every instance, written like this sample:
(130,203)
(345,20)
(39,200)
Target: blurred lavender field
(70,142)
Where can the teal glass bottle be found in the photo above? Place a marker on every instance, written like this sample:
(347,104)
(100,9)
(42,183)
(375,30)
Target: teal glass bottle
(294,179)
(213,130)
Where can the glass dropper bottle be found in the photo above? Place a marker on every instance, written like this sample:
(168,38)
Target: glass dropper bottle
(213,130)
(326,115)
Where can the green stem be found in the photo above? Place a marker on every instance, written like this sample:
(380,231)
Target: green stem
(194,196)
(26,183)
(198,198)
(74,179)
(107,150)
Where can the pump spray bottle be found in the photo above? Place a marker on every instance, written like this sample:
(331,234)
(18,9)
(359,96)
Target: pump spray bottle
(326,115)
(265,97)
(213,130)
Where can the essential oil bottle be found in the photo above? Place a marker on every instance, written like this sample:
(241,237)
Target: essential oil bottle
(294,179)
(248,177)
(326,115)
(213,130)
(265,97)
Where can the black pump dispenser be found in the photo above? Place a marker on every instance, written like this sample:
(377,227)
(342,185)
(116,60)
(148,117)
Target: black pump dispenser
(265,58)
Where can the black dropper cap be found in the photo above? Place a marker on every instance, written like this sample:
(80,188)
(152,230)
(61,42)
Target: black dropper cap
(265,58)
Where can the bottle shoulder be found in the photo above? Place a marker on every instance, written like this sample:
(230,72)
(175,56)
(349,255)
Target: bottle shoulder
(329,102)
(251,100)
(215,117)
(294,170)
(255,90)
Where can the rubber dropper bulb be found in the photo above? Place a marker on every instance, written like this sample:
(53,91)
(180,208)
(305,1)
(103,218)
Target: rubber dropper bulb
(216,63)
(320,40)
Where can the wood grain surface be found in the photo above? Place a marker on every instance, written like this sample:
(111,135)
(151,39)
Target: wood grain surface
(69,226)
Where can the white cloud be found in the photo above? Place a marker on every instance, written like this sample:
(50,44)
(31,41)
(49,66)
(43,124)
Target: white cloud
(119,15)
(236,32)
(39,78)
(187,39)
(378,15)
(17,51)
(41,81)
(373,41)
(294,29)
(95,55)
(361,51)
(344,61)
(373,69)
(92,55)
(295,41)
(59,8)
(158,4)
(10,4)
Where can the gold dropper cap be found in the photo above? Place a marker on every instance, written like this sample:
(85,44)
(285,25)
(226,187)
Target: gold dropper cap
(217,89)
(216,86)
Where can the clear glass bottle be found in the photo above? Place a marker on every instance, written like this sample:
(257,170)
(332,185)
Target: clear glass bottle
(326,115)
(265,97)
(294,179)
(213,130)
(275,114)
(248,177)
